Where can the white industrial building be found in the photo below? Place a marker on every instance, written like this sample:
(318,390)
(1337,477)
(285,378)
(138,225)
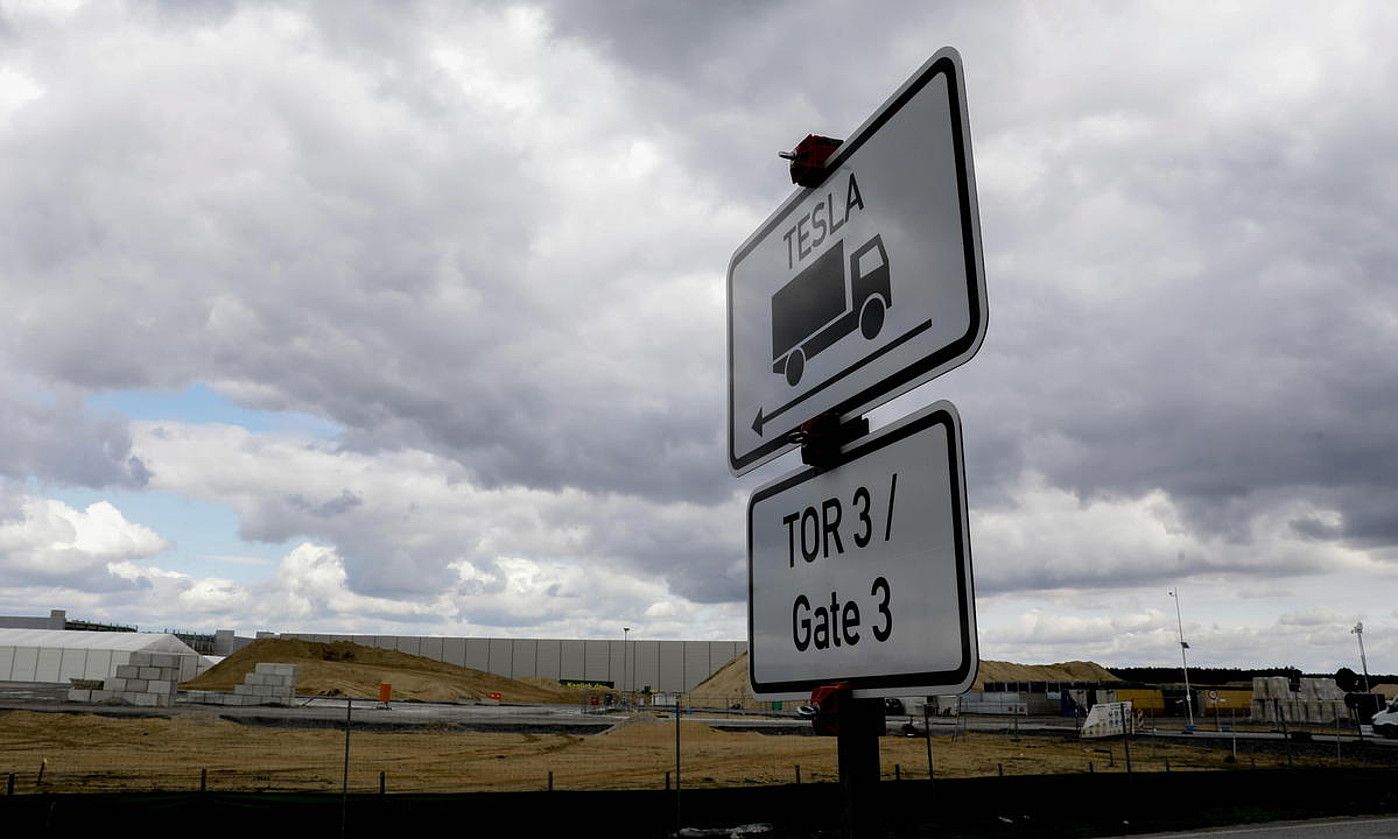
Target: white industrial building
(39,649)
(661,666)
(55,656)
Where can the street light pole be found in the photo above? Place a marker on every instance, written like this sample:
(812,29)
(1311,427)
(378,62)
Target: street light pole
(1179,622)
(1358,631)
(625,634)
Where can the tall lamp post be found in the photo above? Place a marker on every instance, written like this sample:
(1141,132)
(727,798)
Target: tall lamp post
(625,634)
(1358,631)
(1179,622)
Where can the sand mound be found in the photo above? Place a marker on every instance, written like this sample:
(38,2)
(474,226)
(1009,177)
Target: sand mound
(729,686)
(344,668)
(1066,671)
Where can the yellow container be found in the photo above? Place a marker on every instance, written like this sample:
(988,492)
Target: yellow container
(1145,700)
(1225,700)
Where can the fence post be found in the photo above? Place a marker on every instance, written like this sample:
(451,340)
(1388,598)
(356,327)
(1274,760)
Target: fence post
(1090,770)
(344,788)
(204,779)
(1000,769)
(897,772)
(10,785)
(678,711)
(1286,735)
(798,774)
(383,782)
(551,780)
(927,730)
(1335,710)
(1126,737)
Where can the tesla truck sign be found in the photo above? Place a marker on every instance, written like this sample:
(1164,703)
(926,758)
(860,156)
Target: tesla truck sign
(862,287)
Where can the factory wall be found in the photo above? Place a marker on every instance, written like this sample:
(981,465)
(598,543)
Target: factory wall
(57,619)
(670,666)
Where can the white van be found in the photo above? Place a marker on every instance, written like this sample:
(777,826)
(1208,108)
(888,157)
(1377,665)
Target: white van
(1386,721)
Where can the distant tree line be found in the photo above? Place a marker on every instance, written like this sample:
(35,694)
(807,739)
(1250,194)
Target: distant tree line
(1346,678)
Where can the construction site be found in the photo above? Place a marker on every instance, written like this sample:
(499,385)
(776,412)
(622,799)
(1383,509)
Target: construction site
(284,716)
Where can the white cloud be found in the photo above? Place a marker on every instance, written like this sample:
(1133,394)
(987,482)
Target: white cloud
(46,540)
(1048,537)
(16,90)
(402,519)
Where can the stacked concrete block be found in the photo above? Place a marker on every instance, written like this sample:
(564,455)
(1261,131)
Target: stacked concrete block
(1324,700)
(209,697)
(146,680)
(88,690)
(1279,710)
(1315,701)
(267,684)
(1321,690)
(1272,699)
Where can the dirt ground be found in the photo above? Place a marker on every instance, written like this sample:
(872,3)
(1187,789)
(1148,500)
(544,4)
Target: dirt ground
(88,752)
(343,668)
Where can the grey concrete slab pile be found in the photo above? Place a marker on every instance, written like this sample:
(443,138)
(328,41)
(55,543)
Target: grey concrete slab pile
(1322,690)
(146,680)
(268,684)
(1298,710)
(1271,687)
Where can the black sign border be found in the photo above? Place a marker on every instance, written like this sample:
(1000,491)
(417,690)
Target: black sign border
(940,414)
(874,395)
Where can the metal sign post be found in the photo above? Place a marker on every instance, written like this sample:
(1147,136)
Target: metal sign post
(867,282)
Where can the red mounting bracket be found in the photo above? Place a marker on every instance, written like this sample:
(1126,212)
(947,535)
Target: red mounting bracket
(809,157)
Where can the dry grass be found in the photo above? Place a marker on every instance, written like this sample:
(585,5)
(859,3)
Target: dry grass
(86,752)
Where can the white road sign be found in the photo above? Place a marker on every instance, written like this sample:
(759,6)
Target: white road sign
(865,286)
(862,574)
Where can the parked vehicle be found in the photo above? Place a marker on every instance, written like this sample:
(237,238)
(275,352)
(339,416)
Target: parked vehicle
(1386,721)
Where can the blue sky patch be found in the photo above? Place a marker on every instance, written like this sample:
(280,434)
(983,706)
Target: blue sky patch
(203,536)
(200,404)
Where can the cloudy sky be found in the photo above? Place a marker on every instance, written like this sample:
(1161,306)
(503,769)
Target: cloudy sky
(411,317)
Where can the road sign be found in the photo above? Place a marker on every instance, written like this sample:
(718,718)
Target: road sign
(862,574)
(862,287)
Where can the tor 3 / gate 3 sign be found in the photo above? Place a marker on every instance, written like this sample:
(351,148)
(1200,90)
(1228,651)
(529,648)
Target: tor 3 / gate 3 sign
(862,574)
(865,286)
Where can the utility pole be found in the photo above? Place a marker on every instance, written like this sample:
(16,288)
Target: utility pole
(1184,662)
(1358,632)
(625,634)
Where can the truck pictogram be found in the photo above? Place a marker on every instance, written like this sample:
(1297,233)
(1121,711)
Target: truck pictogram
(823,304)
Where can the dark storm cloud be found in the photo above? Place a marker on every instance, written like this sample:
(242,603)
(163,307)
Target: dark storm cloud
(501,239)
(56,439)
(320,243)
(1211,313)
(340,504)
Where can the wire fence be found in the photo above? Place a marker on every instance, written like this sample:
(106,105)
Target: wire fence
(646,748)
